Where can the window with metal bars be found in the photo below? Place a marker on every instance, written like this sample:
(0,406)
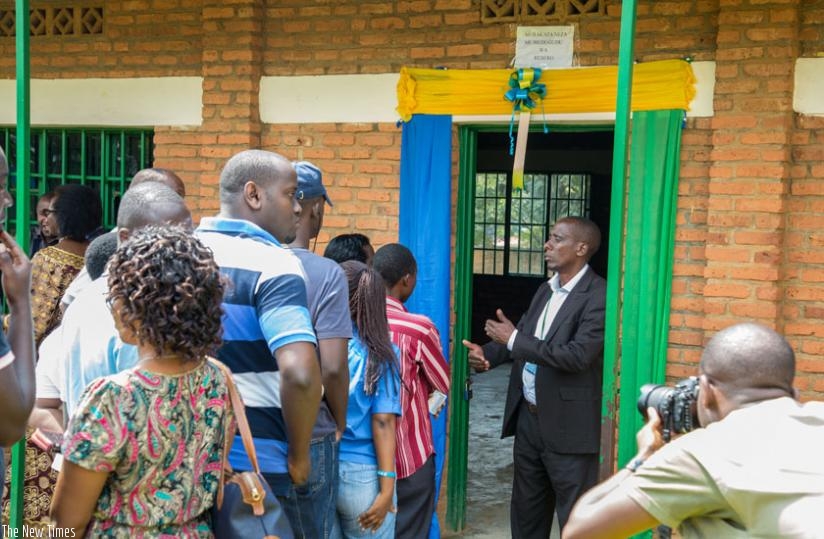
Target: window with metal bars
(103,159)
(510,229)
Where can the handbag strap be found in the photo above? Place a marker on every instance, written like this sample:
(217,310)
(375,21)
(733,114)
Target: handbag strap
(240,416)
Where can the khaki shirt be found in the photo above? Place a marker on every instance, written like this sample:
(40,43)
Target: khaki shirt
(757,473)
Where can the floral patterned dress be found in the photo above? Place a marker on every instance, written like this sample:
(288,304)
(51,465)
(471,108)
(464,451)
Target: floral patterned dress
(52,271)
(160,437)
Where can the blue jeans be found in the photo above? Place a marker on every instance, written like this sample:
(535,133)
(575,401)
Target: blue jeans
(310,508)
(357,489)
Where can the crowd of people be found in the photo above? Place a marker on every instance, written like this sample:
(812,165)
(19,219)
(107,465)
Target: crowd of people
(128,422)
(126,429)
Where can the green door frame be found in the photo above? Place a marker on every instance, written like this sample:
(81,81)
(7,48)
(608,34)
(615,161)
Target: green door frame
(458,448)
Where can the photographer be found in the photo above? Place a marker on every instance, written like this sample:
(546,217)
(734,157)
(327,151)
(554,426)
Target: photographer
(755,470)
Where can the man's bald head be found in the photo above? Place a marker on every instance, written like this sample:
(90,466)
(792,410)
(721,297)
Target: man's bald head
(151,203)
(749,358)
(259,166)
(161,175)
(585,231)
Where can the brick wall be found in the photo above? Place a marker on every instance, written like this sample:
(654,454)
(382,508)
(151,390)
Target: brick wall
(803,299)
(751,191)
(311,38)
(802,306)
(361,168)
(142,38)
(811,34)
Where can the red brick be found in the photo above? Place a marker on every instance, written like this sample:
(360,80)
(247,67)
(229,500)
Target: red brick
(760,171)
(727,290)
(376,139)
(740,16)
(758,204)
(338,139)
(374,195)
(371,223)
(754,310)
(426,52)
(465,50)
(771,34)
(387,23)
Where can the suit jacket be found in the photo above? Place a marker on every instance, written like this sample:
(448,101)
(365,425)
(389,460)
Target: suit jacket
(570,367)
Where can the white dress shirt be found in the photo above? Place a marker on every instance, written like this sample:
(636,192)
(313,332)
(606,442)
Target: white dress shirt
(556,300)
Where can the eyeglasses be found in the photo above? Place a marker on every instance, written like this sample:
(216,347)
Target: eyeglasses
(48,211)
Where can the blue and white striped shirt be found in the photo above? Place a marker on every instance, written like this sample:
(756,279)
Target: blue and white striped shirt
(265,308)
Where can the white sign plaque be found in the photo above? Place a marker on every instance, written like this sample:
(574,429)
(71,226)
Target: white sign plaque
(544,46)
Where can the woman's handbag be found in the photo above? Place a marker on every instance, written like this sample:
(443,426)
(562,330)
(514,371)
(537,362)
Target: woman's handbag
(245,507)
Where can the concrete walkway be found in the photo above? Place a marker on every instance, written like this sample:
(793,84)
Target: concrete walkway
(489,482)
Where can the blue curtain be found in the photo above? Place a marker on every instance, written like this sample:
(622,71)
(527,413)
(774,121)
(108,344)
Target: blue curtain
(425,219)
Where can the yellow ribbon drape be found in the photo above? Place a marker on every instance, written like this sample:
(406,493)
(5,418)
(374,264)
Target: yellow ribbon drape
(666,84)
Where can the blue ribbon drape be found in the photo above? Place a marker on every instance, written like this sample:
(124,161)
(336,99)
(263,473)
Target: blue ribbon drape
(425,228)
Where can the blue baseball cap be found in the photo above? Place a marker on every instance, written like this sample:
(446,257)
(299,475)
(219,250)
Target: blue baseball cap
(310,182)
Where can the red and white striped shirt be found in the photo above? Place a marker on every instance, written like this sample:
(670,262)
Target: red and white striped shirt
(423,369)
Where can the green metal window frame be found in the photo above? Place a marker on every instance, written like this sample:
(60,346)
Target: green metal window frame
(102,158)
(569,195)
(510,228)
(492,205)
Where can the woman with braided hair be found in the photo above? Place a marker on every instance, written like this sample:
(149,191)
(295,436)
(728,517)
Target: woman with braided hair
(142,452)
(366,491)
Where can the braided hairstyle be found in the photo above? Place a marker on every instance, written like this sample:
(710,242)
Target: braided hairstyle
(169,291)
(367,305)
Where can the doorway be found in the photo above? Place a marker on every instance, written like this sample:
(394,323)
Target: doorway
(567,173)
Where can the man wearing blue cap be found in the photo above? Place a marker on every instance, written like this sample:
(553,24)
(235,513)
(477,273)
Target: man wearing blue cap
(328,299)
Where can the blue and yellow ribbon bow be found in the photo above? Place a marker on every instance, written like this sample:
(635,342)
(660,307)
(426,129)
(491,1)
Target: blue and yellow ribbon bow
(524,93)
(525,89)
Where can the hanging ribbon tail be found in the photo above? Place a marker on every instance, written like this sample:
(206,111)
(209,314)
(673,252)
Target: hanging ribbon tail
(520,151)
(524,93)
(511,135)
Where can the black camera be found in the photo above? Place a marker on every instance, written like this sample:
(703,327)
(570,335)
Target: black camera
(675,405)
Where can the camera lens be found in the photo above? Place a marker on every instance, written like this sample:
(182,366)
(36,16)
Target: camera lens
(676,406)
(653,396)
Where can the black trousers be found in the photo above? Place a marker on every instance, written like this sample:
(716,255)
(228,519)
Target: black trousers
(544,481)
(416,502)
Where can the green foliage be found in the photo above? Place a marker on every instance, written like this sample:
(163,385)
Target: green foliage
(544,199)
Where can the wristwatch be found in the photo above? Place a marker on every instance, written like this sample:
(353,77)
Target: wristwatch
(634,464)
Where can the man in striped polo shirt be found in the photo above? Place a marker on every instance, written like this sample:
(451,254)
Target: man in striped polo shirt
(423,370)
(269,342)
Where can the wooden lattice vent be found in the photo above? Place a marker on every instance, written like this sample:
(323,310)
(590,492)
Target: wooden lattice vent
(56,21)
(539,10)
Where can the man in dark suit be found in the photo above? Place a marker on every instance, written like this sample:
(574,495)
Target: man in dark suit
(553,406)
